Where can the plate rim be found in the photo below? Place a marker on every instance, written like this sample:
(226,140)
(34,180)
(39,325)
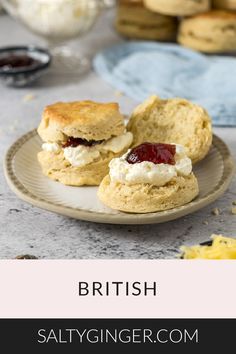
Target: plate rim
(125,218)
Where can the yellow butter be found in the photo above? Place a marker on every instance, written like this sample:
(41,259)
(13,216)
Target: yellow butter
(222,248)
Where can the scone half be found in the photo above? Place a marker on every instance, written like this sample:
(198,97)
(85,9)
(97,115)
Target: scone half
(56,167)
(173,121)
(149,178)
(146,198)
(80,139)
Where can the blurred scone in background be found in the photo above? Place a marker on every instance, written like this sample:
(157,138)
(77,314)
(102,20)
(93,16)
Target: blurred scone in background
(178,7)
(208,26)
(135,21)
(211,32)
(225,4)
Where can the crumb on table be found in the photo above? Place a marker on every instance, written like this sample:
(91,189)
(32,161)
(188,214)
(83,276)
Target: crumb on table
(29,97)
(233,210)
(118,93)
(215,211)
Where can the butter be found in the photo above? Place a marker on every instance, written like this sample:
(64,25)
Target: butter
(222,248)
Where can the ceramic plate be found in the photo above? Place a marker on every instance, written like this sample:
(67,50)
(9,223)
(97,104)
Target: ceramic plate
(25,178)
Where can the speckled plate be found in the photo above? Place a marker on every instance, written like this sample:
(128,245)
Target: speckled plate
(25,178)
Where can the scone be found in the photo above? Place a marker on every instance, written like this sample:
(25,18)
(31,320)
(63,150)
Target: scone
(224,4)
(133,20)
(80,139)
(178,7)
(149,178)
(212,32)
(173,121)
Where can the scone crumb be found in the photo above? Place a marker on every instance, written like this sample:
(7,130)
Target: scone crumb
(29,97)
(14,125)
(233,210)
(215,211)
(205,222)
(118,93)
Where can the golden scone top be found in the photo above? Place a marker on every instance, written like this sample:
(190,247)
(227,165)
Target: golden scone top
(83,112)
(81,119)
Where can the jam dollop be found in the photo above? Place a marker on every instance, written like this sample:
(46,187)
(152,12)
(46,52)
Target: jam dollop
(74,142)
(153,152)
(17,61)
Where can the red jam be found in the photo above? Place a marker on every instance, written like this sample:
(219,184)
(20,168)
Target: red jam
(17,61)
(153,152)
(74,142)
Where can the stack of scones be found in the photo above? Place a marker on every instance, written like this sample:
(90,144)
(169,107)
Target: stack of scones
(204,25)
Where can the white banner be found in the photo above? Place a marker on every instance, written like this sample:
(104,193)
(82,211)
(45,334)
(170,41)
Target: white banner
(117,289)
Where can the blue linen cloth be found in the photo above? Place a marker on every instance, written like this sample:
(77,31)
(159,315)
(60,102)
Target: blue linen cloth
(140,69)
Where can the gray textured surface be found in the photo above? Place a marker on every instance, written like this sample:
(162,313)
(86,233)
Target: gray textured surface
(26,229)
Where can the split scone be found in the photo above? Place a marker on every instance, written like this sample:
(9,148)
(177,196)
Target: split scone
(149,178)
(133,20)
(178,7)
(225,4)
(80,139)
(174,120)
(212,32)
